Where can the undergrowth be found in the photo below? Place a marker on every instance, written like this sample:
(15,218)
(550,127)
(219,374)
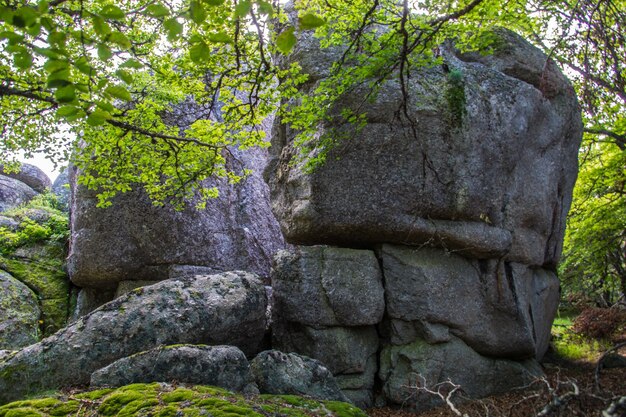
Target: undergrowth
(39,220)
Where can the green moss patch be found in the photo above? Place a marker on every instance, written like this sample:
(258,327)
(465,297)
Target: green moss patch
(34,253)
(171,401)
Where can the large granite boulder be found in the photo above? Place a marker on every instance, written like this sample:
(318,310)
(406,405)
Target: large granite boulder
(19,314)
(404,369)
(326,286)
(220,366)
(135,240)
(276,372)
(30,175)
(498,308)
(14,193)
(61,188)
(488,174)
(223,309)
(463,199)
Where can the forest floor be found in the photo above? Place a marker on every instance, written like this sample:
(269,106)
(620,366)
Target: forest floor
(553,396)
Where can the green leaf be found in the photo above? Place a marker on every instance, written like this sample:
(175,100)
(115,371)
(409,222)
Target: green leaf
(105,105)
(98,117)
(131,63)
(158,10)
(198,14)
(199,52)
(66,111)
(12,37)
(286,40)
(265,8)
(220,37)
(100,26)
(112,12)
(47,52)
(310,21)
(59,78)
(42,6)
(83,66)
(57,38)
(23,60)
(6,14)
(34,29)
(54,65)
(124,75)
(104,52)
(47,24)
(119,39)
(65,94)
(102,83)
(174,28)
(117,91)
(214,2)
(243,8)
(25,16)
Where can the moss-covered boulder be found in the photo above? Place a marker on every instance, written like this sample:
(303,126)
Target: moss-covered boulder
(164,400)
(32,250)
(221,309)
(19,314)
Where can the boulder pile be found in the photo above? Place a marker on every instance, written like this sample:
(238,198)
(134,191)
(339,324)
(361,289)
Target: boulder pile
(427,247)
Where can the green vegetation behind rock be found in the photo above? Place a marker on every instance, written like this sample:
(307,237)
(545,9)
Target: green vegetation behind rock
(33,252)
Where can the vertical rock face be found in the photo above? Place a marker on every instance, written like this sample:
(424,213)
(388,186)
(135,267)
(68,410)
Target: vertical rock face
(134,240)
(464,211)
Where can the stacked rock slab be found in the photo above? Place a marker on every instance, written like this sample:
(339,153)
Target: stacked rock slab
(464,211)
(134,240)
(327,302)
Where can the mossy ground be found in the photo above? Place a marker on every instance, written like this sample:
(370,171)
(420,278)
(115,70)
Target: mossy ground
(164,400)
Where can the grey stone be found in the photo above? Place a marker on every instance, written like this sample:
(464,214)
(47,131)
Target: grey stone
(14,193)
(362,398)
(30,175)
(9,223)
(88,300)
(227,308)
(614,360)
(360,381)
(189,271)
(326,286)
(495,183)
(497,307)
(127,286)
(359,388)
(343,350)
(19,314)
(61,188)
(405,368)
(6,354)
(221,366)
(276,372)
(135,240)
